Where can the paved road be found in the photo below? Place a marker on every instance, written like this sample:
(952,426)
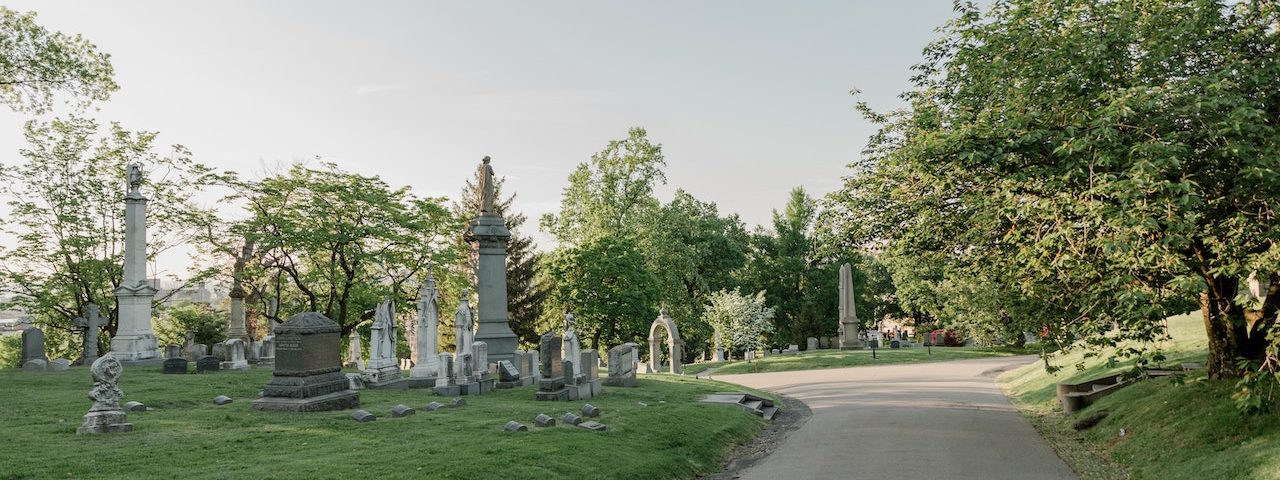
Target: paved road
(938,420)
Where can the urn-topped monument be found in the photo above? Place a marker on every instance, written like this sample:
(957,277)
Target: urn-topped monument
(134,341)
(488,233)
(308,372)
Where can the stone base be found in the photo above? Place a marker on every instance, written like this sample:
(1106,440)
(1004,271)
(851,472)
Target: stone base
(447,391)
(109,421)
(421,382)
(267,362)
(522,382)
(387,375)
(308,387)
(333,401)
(561,395)
(397,384)
(470,388)
(623,381)
(596,389)
(486,385)
(240,365)
(550,384)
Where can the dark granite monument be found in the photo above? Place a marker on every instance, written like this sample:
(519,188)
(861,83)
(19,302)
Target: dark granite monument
(175,365)
(308,372)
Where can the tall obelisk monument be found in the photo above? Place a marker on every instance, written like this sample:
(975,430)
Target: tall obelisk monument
(488,233)
(849,338)
(134,341)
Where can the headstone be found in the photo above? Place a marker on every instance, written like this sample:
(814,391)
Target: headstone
(824,342)
(433,406)
(593,426)
(508,372)
(622,366)
(363,416)
(571,349)
(59,365)
(32,347)
(175,365)
(424,372)
(480,360)
(467,384)
(105,415)
(91,325)
(813,343)
(196,351)
(221,400)
(235,355)
(220,351)
(254,352)
(35,365)
(589,383)
(749,356)
(552,385)
(208,363)
(235,314)
(571,419)
(353,350)
(172,351)
(447,382)
(895,343)
(402,411)
(774,352)
(134,407)
(308,371)
(544,420)
(514,426)
(267,357)
(457,402)
(793,348)
(590,410)
(383,370)
(354,381)
(488,236)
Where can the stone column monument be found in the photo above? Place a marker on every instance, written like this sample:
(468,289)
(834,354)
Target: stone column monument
(235,322)
(489,234)
(848,313)
(134,341)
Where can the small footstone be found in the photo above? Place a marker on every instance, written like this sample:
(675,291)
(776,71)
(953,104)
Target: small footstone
(590,410)
(514,426)
(433,406)
(571,419)
(59,365)
(135,407)
(402,411)
(362,416)
(544,420)
(221,400)
(457,402)
(593,426)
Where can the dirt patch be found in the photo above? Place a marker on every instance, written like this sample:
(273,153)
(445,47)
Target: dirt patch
(788,420)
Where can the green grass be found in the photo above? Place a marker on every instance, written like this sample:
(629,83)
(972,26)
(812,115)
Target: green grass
(1186,429)
(187,436)
(819,359)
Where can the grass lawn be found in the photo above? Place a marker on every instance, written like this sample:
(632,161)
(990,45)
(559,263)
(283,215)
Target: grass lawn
(1187,430)
(187,436)
(818,359)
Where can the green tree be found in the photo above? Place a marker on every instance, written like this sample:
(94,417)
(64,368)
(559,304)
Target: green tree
(1102,161)
(208,325)
(66,216)
(36,64)
(612,194)
(742,321)
(605,285)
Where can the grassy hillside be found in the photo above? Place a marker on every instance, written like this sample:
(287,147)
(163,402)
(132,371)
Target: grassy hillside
(1173,428)
(657,430)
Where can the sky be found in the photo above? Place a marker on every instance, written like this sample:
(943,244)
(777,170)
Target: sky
(748,98)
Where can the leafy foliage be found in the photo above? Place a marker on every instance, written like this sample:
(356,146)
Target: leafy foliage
(36,64)
(742,321)
(174,322)
(612,194)
(605,285)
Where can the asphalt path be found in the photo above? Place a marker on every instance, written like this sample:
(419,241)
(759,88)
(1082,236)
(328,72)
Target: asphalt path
(944,420)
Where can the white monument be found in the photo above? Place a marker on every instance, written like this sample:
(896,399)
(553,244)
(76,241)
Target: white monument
(427,363)
(848,312)
(464,335)
(383,370)
(134,341)
(571,347)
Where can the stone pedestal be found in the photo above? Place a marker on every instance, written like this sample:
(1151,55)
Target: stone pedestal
(489,234)
(849,326)
(553,384)
(134,340)
(236,360)
(308,372)
(235,321)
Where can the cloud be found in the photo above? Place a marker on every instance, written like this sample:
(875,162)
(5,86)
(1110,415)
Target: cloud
(366,90)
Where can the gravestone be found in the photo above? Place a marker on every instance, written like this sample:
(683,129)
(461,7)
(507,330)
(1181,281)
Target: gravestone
(675,346)
(267,358)
(590,410)
(59,365)
(508,374)
(571,419)
(134,407)
(552,385)
(35,365)
(172,351)
(824,342)
(208,363)
(32,346)
(402,411)
(895,344)
(514,426)
(593,426)
(353,350)
(467,384)
(749,356)
(532,368)
(383,369)
(308,372)
(622,366)
(254,352)
(196,351)
(363,416)
(220,351)
(105,416)
(175,365)
(427,364)
(813,344)
(447,381)
(589,383)
(235,355)
(544,420)
(91,324)
(480,365)
(457,402)
(221,400)
(433,406)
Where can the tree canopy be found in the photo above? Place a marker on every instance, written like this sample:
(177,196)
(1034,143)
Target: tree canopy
(36,64)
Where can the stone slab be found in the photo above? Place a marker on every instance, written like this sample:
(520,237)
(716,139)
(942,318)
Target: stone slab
(593,426)
(334,401)
(557,395)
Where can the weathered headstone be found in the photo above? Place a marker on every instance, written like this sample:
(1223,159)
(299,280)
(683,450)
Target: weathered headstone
(221,400)
(508,374)
(35,365)
(308,372)
(622,366)
(593,426)
(590,410)
(402,411)
(544,420)
(175,365)
(105,415)
(32,346)
(363,416)
(91,323)
(750,355)
(59,365)
(383,370)
(457,402)
(353,350)
(571,419)
(812,343)
(196,351)
(552,385)
(424,372)
(514,426)
(480,364)
(235,355)
(267,357)
(172,351)
(824,342)
(447,382)
(589,383)
(208,363)
(433,406)
(135,407)
(220,351)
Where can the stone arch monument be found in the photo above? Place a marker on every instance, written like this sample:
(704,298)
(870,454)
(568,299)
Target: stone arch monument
(675,346)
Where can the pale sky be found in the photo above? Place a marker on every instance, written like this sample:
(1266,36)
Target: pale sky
(749,99)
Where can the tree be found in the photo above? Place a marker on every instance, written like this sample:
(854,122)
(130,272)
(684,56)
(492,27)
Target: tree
(1104,162)
(742,321)
(208,325)
(66,216)
(36,64)
(525,292)
(612,194)
(605,285)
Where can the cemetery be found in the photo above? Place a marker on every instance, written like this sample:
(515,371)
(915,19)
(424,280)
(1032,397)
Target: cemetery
(1010,239)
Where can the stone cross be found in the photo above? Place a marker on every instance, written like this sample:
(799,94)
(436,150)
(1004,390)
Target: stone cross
(90,322)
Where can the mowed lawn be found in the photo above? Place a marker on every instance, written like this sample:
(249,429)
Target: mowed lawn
(656,430)
(1174,429)
(818,359)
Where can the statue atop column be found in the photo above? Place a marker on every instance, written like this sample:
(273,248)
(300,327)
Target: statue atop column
(485,187)
(135,179)
(488,235)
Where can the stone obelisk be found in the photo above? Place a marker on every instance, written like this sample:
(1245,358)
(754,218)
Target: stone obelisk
(488,233)
(134,341)
(848,312)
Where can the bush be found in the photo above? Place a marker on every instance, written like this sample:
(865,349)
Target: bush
(208,324)
(10,350)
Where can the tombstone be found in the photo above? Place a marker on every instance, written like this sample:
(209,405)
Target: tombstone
(383,370)
(254,352)
(675,345)
(221,400)
(774,352)
(134,407)
(172,351)
(399,411)
(749,356)
(267,357)
(433,406)
(544,420)
(353,350)
(105,416)
(208,363)
(35,365)
(589,385)
(58,365)
(571,419)
(196,351)
(622,366)
(457,402)
(793,348)
(32,347)
(571,349)
(514,426)
(424,372)
(447,382)
(175,366)
(895,344)
(593,426)
(467,384)
(480,364)
(824,342)
(235,355)
(91,323)
(363,416)
(813,344)
(873,338)
(590,410)
(508,374)
(551,386)
(220,351)
(354,381)
(308,371)
(533,367)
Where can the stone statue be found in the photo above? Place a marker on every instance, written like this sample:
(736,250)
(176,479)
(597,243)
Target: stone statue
(105,415)
(383,333)
(135,177)
(427,363)
(485,186)
(465,326)
(571,347)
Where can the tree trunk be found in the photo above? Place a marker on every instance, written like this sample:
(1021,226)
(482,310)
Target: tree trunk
(1225,326)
